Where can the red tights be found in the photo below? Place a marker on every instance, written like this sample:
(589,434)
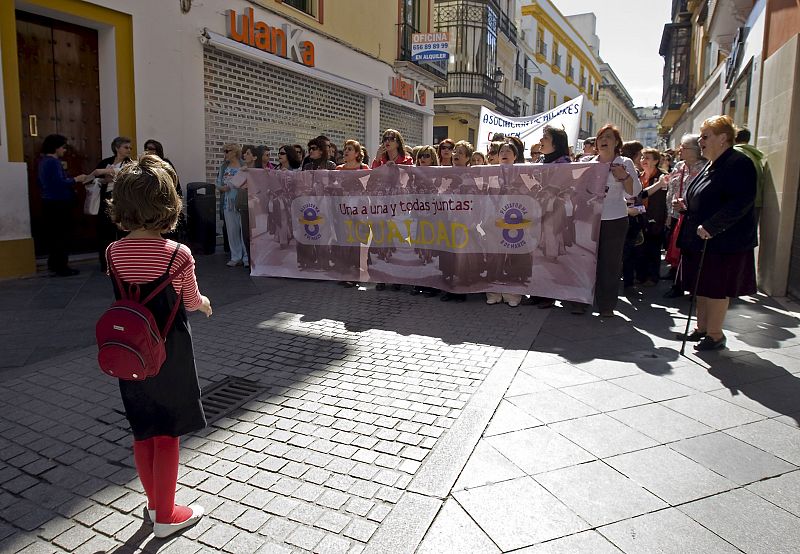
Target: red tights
(157,464)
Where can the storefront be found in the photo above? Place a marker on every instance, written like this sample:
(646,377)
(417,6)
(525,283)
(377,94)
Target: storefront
(219,73)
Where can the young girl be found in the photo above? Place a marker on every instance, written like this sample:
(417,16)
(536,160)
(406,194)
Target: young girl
(162,408)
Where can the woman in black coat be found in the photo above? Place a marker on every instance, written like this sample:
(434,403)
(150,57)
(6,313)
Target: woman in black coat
(720,217)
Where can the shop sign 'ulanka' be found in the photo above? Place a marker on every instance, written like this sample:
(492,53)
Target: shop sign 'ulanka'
(284,41)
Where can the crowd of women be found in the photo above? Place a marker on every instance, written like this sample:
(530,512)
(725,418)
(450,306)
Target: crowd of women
(700,210)
(652,206)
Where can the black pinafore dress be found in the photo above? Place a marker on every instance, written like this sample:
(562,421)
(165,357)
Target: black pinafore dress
(169,403)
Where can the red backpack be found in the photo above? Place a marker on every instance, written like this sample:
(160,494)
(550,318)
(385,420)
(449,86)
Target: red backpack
(130,344)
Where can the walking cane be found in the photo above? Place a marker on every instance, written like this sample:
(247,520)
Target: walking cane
(694,295)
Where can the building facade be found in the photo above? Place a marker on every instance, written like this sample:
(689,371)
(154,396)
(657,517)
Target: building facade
(615,105)
(480,72)
(195,76)
(742,58)
(566,51)
(647,129)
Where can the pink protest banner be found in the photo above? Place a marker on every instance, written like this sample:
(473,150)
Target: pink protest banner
(527,229)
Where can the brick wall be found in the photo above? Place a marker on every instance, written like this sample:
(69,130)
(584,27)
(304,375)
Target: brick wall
(251,102)
(407,121)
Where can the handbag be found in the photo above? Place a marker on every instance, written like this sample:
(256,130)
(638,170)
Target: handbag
(91,205)
(241,200)
(673,254)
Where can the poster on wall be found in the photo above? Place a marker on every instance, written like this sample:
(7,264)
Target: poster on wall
(528,229)
(529,129)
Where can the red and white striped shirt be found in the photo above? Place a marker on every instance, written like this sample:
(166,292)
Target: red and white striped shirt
(144,260)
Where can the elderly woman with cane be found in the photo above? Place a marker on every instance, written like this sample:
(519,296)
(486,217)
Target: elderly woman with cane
(718,234)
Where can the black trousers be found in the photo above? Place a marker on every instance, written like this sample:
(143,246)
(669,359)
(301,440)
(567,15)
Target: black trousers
(609,262)
(57,232)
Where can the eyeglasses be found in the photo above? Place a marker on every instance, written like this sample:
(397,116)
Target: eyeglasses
(389,139)
(229,151)
(424,155)
(445,147)
(311,148)
(281,153)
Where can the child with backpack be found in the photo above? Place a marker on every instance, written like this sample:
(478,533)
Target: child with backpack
(162,407)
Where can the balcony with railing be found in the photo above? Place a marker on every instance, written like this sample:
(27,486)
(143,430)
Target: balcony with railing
(404,32)
(473,85)
(505,25)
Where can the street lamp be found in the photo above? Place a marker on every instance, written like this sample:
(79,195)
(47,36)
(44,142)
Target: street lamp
(497,77)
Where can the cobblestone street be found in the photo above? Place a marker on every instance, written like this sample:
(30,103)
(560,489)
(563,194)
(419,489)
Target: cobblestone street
(386,422)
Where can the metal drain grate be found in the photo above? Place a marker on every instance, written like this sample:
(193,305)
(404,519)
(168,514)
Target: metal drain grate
(223,397)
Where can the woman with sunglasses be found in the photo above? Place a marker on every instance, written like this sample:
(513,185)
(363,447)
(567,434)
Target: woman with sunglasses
(445,151)
(426,156)
(318,156)
(392,149)
(289,158)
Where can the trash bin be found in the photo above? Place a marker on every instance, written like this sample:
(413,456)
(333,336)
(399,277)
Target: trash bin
(201,211)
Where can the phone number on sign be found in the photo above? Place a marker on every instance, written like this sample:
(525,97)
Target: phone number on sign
(429,46)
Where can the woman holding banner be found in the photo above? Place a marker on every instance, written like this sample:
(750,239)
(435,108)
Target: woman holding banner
(508,267)
(623,180)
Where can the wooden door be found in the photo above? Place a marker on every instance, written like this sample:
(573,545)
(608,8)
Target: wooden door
(59,93)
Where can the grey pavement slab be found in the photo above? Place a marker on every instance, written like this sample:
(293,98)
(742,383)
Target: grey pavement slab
(551,406)
(666,532)
(539,449)
(732,458)
(747,521)
(508,418)
(660,423)
(771,436)
(519,513)
(669,475)
(598,493)
(602,435)
(605,396)
(587,541)
(783,491)
(712,411)
(525,384)
(454,531)
(653,387)
(486,466)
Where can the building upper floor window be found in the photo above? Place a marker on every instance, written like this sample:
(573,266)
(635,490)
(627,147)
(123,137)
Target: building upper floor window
(310,7)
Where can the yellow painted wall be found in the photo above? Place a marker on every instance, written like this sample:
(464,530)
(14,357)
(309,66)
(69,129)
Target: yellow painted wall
(457,130)
(17,256)
(367,25)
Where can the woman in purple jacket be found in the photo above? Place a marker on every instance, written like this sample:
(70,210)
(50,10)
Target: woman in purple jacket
(58,195)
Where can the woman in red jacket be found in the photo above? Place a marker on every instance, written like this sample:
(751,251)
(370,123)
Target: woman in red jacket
(392,149)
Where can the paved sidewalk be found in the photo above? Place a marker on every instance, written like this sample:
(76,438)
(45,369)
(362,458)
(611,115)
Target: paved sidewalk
(392,423)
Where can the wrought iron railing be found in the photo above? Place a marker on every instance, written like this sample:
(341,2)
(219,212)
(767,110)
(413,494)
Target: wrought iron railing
(505,25)
(475,85)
